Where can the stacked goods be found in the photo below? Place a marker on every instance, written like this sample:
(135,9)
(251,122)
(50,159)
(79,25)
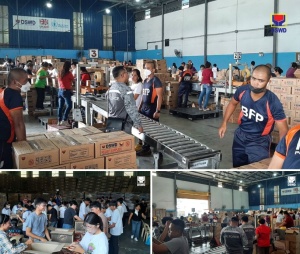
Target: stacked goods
(293,236)
(288,92)
(235,116)
(171,94)
(117,149)
(3,80)
(161,66)
(39,153)
(31,97)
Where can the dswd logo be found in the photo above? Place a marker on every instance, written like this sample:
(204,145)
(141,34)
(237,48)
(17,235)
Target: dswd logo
(278,23)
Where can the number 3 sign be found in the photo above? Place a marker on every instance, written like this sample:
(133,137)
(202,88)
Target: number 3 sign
(94,53)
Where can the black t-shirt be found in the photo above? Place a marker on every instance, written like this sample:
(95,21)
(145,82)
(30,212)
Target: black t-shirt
(53,213)
(69,216)
(149,92)
(12,100)
(143,207)
(29,72)
(136,217)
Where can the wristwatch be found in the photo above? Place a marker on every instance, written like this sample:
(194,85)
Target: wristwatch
(157,111)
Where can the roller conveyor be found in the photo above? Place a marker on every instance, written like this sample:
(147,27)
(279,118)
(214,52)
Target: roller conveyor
(187,152)
(217,250)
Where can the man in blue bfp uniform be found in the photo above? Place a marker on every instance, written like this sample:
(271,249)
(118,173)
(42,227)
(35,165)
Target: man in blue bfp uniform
(261,109)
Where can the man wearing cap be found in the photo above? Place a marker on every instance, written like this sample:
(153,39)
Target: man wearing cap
(250,233)
(233,237)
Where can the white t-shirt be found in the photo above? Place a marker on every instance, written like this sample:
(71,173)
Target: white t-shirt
(214,70)
(108,213)
(279,218)
(121,210)
(53,73)
(137,89)
(15,209)
(200,75)
(82,210)
(116,218)
(95,244)
(62,212)
(6,211)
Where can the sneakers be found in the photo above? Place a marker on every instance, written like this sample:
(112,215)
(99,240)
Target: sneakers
(144,152)
(64,123)
(138,147)
(206,109)
(200,108)
(135,239)
(132,236)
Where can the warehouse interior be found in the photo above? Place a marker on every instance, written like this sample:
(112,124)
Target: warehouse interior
(131,32)
(188,195)
(24,186)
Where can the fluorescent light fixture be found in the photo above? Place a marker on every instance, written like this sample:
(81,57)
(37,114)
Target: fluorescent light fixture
(154,173)
(137,1)
(49,4)
(258,186)
(241,181)
(240,188)
(275,174)
(107,11)
(220,185)
(214,175)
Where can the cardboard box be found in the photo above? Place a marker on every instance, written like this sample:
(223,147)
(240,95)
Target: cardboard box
(35,136)
(54,134)
(295,121)
(297,73)
(276,81)
(292,236)
(282,244)
(297,113)
(63,166)
(295,105)
(72,149)
(290,82)
(120,161)
(296,90)
(88,130)
(44,248)
(79,226)
(112,143)
(39,153)
(62,235)
(89,164)
(275,88)
(54,127)
(286,89)
(287,98)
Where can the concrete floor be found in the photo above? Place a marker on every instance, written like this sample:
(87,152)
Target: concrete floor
(204,131)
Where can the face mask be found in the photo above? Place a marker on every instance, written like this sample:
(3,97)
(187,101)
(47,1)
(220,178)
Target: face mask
(25,88)
(257,90)
(147,73)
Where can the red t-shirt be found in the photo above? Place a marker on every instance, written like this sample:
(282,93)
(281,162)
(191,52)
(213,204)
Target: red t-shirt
(84,78)
(289,222)
(206,75)
(66,81)
(263,233)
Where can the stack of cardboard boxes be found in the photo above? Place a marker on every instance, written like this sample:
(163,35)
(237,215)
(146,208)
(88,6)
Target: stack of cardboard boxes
(87,148)
(293,237)
(3,79)
(171,94)
(235,116)
(288,92)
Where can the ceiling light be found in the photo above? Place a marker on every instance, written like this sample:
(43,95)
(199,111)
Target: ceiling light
(220,185)
(258,186)
(154,173)
(49,4)
(275,174)
(214,175)
(107,11)
(241,181)
(137,1)
(240,188)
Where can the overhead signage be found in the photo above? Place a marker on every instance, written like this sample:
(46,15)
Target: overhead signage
(290,191)
(41,24)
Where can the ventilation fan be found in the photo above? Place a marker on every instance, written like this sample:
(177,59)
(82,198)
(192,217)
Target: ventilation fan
(177,53)
(153,205)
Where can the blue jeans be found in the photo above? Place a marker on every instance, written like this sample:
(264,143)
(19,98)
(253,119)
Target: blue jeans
(206,90)
(67,226)
(53,224)
(64,97)
(136,226)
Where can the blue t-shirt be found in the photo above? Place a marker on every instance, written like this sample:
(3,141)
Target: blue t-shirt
(288,149)
(149,93)
(37,223)
(12,100)
(258,117)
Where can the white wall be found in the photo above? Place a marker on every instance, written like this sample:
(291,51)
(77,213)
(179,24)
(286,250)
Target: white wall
(224,17)
(163,194)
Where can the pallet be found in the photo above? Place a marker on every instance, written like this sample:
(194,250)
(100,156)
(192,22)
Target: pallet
(194,113)
(41,113)
(45,120)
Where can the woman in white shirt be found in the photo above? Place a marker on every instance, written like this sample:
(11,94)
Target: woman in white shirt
(94,240)
(200,72)
(6,209)
(137,86)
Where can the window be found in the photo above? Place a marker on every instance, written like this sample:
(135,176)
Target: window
(107,32)
(276,195)
(69,173)
(35,173)
(262,196)
(55,173)
(78,30)
(110,173)
(185,4)
(23,173)
(4,31)
(148,14)
(130,173)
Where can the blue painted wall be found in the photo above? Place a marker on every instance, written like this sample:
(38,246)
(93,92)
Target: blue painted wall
(93,24)
(288,201)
